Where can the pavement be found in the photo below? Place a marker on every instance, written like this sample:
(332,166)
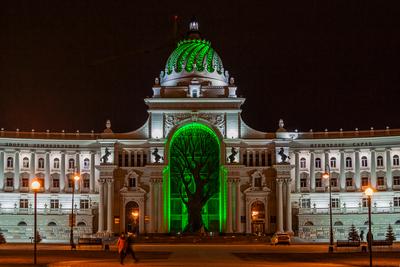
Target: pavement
(204,255)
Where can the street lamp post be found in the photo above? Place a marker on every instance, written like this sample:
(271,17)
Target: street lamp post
(369,192)
(35,187)
(71,239)
(327,175)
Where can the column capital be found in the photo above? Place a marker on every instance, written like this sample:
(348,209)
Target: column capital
(101,180)
(388,149)
(280,181)
(109,181)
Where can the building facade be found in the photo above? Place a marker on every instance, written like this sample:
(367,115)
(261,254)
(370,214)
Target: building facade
(255,182)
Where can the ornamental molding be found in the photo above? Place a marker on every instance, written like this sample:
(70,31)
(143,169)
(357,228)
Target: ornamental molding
(173,119)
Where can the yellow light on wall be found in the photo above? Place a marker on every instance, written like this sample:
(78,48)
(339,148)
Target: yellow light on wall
(325,175)
(77,177)
(35,184)
(369,191)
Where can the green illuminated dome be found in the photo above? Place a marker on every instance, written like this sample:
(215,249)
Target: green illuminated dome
(193,58)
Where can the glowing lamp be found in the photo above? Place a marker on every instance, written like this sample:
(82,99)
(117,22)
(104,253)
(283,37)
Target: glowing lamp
(369,191)
(135,214)
(35,185)
(77,177)
(325,175)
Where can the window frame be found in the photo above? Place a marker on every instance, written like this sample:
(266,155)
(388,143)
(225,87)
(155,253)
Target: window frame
(349,162)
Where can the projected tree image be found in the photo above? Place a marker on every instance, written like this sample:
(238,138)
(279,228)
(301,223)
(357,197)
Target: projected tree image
(194,155)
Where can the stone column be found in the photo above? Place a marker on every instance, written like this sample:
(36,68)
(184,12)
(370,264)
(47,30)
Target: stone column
(123,157)
(247,158)
(129,158)
(288,207)
(312,172)
(92,172)
(229,211)
(78,170)
(47,171)
(1,168)
(141,158)
(109,205)
(342,175)
(254,157)
(326,160)
(101,205)
(135,158)
(32,166)
(267,224)
(238,223)
(389,177)
(357,169)
(16,171)
(153,222)
(62,174)
(160,207)
(279,203)
(373,168)
(297,171)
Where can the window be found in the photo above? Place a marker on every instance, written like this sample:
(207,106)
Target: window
(335,203)
(303,182)
(23,203)
(10,162)
(84,204)
(86,163)
(333,162)
(318,163)
(334,182)
(257,181)
(318,182)
(381,181)
(132,182)
(25,182)
(56,183)
(379,161)
(396,201)
(10,182)
(305,203)
(25,162)
(364,161)
(365,202)
(86,183)
(349,163)
(70,182)
(56,163)
(41,163)
(54,203)
(364,181)
(303,163)
(349,181)
(71,164)
(51,224)
(396,180)
(396,160)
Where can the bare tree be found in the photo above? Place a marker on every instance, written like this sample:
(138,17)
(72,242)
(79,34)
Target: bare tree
(196,172)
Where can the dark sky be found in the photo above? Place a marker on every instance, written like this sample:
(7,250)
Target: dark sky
(316,64)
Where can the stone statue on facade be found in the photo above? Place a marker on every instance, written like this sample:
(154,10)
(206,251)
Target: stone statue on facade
(284,157)
(157,156)
(232,156)
(104,158)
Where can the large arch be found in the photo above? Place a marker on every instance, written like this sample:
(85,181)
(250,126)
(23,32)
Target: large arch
(195,188)
(132,213)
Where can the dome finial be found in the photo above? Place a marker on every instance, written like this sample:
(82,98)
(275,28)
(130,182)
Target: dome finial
(194,25)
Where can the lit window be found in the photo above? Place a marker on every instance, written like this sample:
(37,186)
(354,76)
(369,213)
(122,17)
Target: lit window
(381,181)
(318,163)
(54,203)
(349,181)
(333,162)
(56,183)
(71,164)
(335,203)
(84,204)
(396,160)
(10,162)
(41,163)
(318,182)
(305,203)
(25,162)
(396,201)
(364,161)
(349,162)
(303,163)
(86,163)
(25,182)
(364,181)
(71,182)
(23,203)
(379,161)
(56,163)
(396,180)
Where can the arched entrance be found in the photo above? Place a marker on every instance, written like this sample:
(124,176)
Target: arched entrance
(132,217)
(258,218)
(195,187)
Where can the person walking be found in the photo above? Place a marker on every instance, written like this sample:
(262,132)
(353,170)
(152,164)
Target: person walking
(121,245)
(129,247)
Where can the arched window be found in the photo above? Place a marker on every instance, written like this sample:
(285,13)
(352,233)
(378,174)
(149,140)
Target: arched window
(41,163)
(303,163)
(396,160)
(22,223)
(397,222)
(333,162)
(71,164)
(25,162)
(10,162)
(318,163)
(56,163)
(81,224)
(308,223)
(132,181)
(338,223)
(379,161)
(51,224)
(86,163)
(349,162)
(364,161)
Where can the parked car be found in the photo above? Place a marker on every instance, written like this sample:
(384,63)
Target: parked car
(280,238)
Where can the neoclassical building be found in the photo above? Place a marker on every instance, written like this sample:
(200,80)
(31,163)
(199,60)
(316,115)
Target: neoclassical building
(195,160)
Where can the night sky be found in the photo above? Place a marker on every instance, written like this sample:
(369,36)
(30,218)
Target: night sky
(316,64)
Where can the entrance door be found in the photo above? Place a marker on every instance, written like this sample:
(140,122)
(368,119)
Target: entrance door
(258,218)
(132,217)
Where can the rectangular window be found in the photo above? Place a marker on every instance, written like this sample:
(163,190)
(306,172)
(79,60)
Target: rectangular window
(86,183)
(365,202)
(84,204)
(334,182)
(56,183)
(23,203)
(349,181)
(396,180)
(10,182)
(25,182)
(318,182)
(257,182)
(396,201)
(305,203)
(54,203)
(381,181)
(364,181)
(70,183)
(303,182)
(335,203)
(132,182)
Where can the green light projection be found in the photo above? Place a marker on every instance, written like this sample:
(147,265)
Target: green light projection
(194,181)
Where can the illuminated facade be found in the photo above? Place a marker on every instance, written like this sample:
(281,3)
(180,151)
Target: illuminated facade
(195,164)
